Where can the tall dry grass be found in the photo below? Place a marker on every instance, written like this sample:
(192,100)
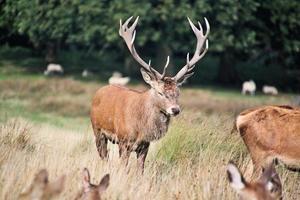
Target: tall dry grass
(188,163)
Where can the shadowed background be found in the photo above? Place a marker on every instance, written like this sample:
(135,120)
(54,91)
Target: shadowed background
(250,39)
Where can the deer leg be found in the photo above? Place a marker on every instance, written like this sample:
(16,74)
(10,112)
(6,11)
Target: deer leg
(124,152)
(141,153)
(260,160)
(257,155)
(257,167)
(101,143)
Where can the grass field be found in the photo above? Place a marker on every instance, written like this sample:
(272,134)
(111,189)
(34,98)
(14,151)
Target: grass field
(45,124)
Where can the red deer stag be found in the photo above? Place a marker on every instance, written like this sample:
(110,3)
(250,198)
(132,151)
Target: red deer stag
(133,119)
(90,191)
(41,189)
(271,132)
(268,186)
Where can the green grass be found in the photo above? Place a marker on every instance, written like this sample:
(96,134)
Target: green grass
(17,109)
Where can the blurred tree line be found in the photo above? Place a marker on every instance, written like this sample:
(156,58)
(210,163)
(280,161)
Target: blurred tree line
(249,39)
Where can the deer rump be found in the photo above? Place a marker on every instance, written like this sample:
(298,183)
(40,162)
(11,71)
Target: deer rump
(123,115)
(271,132)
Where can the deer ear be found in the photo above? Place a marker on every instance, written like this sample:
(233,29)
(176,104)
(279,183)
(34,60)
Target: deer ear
(85,178)
(148,77)
(271,179)
(103,183)
(235,177)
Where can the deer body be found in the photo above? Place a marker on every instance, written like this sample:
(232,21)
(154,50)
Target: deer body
(133,119)
(128,117)
(271,132)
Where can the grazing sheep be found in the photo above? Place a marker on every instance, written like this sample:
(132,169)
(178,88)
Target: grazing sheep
(117,79)
(86,73)
(53,69)
(267,89)
(249,87)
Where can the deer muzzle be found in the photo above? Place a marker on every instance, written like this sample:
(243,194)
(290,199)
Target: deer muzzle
(173,110)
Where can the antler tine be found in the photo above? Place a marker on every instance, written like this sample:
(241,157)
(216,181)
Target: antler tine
(133,37)
(187,70)
(127,21)
(165,68)
(207,27)
(198,32)
(134,23)
(128,34)
(200,27)
(199,52)
(156,74)
(188,59)
(123,27)
(187,63)
(188,67)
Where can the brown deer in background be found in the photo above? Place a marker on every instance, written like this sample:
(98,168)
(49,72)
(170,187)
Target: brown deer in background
(271,132)
(90,191)
(267,187)
(41,189)
(133,119)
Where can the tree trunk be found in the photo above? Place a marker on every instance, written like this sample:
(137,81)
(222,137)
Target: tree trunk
(51,53)
(227,74)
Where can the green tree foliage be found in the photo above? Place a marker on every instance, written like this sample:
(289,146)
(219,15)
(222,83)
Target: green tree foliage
(243,32)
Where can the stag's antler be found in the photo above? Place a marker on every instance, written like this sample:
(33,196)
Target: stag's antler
(128,34)
(186,70)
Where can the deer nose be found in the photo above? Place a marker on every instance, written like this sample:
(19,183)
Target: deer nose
(175,111)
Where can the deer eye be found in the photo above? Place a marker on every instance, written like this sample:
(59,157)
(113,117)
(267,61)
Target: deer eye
(160,94)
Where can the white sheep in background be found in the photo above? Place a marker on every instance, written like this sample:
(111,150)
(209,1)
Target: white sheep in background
(86,73)
(267,89)
(53,69)
(249,87)
(117,79)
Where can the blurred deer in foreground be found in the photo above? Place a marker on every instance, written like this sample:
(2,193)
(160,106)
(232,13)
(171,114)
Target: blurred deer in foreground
(41,189)
(271,132)
(133,119)
(90,191)
(267,187)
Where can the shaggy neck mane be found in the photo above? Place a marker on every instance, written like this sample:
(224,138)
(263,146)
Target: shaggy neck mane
(153,122)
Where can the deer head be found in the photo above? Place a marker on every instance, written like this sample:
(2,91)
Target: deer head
(165,89)
(41,189)
(267,187)
(91,191)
